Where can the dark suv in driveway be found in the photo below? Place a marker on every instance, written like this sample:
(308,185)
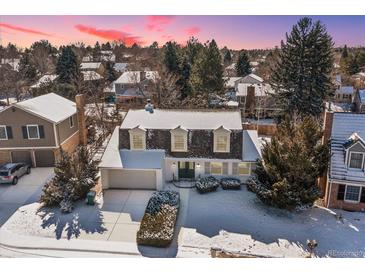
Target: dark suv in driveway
(11,172)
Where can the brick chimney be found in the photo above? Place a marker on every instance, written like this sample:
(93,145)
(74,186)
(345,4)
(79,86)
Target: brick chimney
(250,100)
(80,107)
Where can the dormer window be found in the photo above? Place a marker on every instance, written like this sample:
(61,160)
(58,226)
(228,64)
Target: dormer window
(356,160)
(179,139)
(137,137)
(222,139)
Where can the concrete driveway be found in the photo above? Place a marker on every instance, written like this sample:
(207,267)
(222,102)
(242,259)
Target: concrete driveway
(28,190)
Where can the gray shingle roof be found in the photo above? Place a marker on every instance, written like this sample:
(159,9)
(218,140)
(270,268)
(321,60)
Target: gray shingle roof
(344,125)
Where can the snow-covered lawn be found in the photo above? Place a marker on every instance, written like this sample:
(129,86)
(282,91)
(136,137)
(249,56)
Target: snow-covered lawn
(241,212)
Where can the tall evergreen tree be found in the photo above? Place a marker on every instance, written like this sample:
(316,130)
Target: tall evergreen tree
(227,59)
(243,66)
(96,51)
(301,77)
(27,69)
(345,52)
(352,65)
(68,67)
(184,81)
(171,57)
(291,163)
(207,71)
(110,73)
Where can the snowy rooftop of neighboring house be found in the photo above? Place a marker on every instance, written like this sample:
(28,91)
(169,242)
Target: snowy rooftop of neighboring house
(129,77)
(231,66)
(90,75)
(115,158)
(151,75)
(362,95)
(360,74)
(50,106)
(231,81)
(13,63)
(254,63)
(189,119)
(131,92)
(251,148)
(250,77)
(346,90)
(120,67)
(48,78)
(90,65)
(338,78)
(343,127)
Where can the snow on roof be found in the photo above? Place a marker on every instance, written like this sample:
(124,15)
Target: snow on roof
(362,95)
(343,127)
(120,67)
(248,79)
(132,92)
(346,90)
(339,78)
(251,146)
(231,81)
(152,75)
(190,119)
(232,103)
(360,74)
(142,159)
(129,77)
(111,157)
(91,75)
(90,65)
(45,79)
(50,106)
(231,66)
(254,63)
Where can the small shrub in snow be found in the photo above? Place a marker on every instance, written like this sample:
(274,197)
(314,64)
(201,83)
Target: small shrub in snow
(207,184)
(230,183)
(158,223)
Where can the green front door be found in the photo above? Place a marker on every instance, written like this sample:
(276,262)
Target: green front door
(186,170)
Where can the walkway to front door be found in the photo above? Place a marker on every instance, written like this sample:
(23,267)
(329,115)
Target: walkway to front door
(186,170)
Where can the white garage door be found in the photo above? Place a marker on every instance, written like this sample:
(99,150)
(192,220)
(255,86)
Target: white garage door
(132,179)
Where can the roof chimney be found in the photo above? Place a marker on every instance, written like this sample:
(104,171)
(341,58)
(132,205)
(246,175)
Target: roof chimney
(80,107)
(149,107)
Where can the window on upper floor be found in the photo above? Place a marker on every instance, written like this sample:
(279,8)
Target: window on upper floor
(137,137)
(356,160)
(221,140)
(33,131)
(3,133)
(179,139)
(71,120)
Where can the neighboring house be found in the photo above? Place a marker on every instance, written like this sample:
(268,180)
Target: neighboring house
(107,55)
(152,147)
(90,75)
(231,82)
(45,80)
(93,66)
(231,70)
(87,58)
(33,131)
(359,100)
(120,67)
(338,81)
(345,187)
(12,62)
(344,94)
(132,86)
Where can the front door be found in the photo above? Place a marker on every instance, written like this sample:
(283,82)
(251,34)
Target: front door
(186,170)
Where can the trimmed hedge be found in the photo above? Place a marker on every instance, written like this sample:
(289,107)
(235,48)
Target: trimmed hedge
(158,223)
(207,184)
(230,183)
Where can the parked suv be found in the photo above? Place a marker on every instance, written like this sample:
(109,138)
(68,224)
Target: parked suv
(11,172)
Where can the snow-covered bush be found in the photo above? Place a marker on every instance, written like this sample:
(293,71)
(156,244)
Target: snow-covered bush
(207,184)
(66,206)
(230,183)
(158,223)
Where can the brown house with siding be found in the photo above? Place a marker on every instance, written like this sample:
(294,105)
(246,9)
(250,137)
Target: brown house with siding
(33,131)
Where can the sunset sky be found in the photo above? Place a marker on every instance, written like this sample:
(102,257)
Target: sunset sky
(236,32)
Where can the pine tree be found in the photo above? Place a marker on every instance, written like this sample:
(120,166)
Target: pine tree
(227,59)
(207,71)
(344,53)
(96,53)
(184,81)
(68,67)
(352,65)
(110,72)
(301,77)
(291,163)
(243,66)
(27,69)
(171,57)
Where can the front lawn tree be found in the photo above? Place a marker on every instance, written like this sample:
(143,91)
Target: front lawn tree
(286,177)
(301,76)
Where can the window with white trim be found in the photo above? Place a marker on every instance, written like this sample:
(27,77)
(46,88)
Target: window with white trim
(352,193)
(244,168)
(33,131)
(3,133)
(356,160)
(179,142)
(216,168)
(71,120)
(137,141)
(222,143)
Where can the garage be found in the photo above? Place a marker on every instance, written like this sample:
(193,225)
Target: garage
(132,179)
(44,158)
(21,156)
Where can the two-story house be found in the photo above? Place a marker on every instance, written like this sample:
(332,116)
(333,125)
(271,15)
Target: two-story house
(155,146)
(33,131)
(346,176)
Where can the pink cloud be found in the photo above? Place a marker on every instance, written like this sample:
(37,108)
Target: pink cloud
(25,30)
(158,22)
(110,34)
(191,31)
